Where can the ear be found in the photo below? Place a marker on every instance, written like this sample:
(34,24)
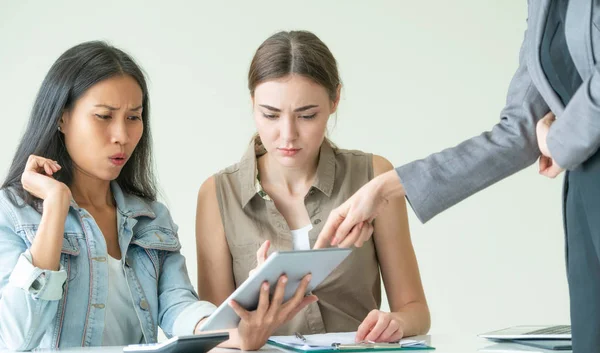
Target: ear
(63,122)
(336,102)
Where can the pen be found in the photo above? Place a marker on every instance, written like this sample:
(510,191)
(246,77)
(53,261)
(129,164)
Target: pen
(300,337)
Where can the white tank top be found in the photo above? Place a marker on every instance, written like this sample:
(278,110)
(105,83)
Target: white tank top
(300,238)
(121,323)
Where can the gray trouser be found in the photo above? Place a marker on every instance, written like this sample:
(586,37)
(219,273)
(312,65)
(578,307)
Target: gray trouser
(581,213)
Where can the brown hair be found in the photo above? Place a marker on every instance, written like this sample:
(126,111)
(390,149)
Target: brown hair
(294,52)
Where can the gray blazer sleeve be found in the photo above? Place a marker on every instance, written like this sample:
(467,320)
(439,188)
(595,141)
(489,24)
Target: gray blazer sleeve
(443,179)
(575,135)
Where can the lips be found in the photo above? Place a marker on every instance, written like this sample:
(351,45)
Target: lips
(118,159)
(289,151)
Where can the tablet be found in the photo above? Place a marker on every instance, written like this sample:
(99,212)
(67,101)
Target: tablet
(295,264)
(181,344)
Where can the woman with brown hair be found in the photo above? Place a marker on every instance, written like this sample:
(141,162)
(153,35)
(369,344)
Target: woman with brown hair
(277,197)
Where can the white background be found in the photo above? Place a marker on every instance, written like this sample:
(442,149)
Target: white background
(419,76)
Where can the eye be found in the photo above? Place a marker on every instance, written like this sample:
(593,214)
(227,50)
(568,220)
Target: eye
(270,116)
(103,117)
(308,117)
(135,117)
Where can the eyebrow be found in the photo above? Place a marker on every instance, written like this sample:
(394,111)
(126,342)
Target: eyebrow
(115,108)
(301,109)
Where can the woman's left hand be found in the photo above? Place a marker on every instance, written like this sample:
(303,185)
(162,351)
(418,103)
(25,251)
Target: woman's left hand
(380,326)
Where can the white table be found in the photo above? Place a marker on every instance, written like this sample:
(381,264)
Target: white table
(442,343)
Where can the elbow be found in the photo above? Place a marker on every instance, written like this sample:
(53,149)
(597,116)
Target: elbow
(530,156)
(532,153)
(416,318)
(531,150)
(22,329)
(16,342)
(425,322)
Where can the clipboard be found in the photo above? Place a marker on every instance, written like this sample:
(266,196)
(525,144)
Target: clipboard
(347,348)
(325,343)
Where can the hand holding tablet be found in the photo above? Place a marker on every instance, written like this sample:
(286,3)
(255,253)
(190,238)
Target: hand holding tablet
(295,265)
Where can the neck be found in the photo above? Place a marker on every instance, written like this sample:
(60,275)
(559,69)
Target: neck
(295,180)
(90,191)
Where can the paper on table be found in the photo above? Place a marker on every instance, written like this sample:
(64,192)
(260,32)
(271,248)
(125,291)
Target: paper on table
(325,340)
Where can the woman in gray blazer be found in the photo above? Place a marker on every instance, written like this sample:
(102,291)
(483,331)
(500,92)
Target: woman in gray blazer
(558,75)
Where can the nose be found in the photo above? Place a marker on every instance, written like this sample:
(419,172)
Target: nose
(119,132)
(289,130)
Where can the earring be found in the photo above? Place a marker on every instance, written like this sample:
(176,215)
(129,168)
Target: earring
(59,129)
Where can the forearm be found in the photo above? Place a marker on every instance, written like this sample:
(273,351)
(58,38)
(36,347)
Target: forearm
(388,185)
(415,318)
(443,179)
(46,247)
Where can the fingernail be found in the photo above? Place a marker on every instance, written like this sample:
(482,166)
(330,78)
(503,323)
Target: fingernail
(309,277)
(265,286)
(334,241)
(284,279)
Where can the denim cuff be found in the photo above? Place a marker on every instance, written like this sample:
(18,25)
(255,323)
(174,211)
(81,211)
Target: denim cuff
(41,284)
(188,319)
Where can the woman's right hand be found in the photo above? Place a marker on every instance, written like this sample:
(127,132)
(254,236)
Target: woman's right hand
(37,179)
(257,326)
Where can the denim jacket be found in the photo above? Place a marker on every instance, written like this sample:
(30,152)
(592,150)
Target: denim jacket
(65,308)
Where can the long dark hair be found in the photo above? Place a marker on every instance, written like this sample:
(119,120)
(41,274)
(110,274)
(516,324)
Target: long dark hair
(75,71)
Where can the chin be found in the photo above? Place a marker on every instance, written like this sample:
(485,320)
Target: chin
(108,176)
(291,162)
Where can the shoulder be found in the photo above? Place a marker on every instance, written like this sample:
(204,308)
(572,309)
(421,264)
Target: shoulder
(14,211)
(359,159)
(159,209)
(227,178)
(347,153)
(231,170)
(150,214)
(353,159)
(162,219)
(208,189)
(7,199)
(381,165)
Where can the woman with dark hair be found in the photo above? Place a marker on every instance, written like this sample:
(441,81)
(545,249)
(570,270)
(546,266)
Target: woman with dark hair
(89,257)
